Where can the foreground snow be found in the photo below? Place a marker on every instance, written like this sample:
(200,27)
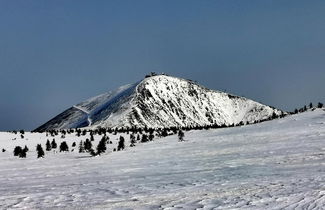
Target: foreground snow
(272,165)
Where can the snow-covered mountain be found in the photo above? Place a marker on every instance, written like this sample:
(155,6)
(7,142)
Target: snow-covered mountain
(161,101)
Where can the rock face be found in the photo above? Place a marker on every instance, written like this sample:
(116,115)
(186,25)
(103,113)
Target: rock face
(160,101)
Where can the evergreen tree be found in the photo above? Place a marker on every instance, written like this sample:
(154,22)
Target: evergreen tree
(132,140)
(138,137)
(40,151)
(78,132)
(87,145)
(181,135)
(311,105)
(54,144)
(92,137)
(17,150)
(22,154)
(151,136)
(101,147)
(64,147)
(144,138)
(81,147)
(73,144)
(48,146)
(121,145)
(320,105)
(164,133)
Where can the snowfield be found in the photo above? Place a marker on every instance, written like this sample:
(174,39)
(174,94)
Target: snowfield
(278,164)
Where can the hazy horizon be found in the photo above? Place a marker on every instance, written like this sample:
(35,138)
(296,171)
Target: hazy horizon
(54,54)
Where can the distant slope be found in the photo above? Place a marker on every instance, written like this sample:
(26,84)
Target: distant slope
(161,101)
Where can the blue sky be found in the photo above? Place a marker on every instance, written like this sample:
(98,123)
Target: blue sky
(54,54)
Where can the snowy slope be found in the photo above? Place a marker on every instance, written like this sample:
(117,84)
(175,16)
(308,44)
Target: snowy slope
(278,164)
(160,101)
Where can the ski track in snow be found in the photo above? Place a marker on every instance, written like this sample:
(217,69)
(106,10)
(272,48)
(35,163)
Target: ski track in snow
(86,112)
(273,165)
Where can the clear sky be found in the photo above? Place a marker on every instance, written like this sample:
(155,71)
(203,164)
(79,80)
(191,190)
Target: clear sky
(54,54)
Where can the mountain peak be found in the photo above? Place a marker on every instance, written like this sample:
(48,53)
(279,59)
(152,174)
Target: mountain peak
(160,101)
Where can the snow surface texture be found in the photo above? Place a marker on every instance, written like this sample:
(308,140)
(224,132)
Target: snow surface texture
(161,101)
(278,164)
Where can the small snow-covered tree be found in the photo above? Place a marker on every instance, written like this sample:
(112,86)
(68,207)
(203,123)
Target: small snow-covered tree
(164,132)
(17,150)
(121,145)
(48,146)
(23,153)
(81,147)
(54,144)
(64,147)
(87,145)
(40,151)
(181,135)
(151,134)
(144,138)
(132,140)
(101,147)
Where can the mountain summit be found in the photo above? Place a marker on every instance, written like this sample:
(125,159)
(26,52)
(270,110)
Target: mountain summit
(161,101)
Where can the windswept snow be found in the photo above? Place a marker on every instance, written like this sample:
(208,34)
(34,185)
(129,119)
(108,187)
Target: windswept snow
(161,101)
(278,164)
